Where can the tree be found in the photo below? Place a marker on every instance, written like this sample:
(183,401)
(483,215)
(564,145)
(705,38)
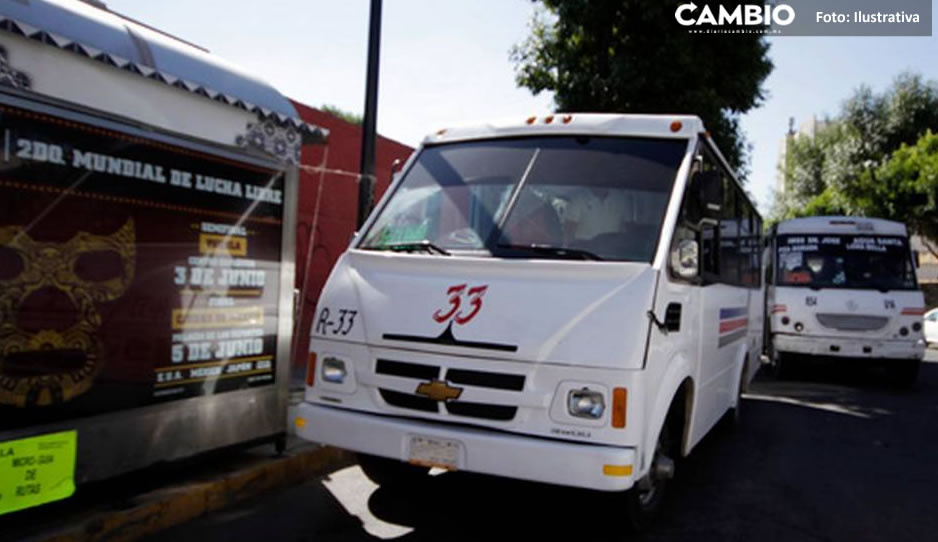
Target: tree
(878,157)
(631,56)
(353,118)
(905,188)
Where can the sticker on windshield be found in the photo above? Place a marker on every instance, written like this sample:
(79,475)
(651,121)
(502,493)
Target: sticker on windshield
(403,233)
(791,260)
(873,244)
(37,470)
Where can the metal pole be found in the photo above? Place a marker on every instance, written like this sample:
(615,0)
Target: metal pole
(366,179)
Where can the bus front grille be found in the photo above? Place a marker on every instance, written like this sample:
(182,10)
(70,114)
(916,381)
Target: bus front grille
(852,322)
(463,378)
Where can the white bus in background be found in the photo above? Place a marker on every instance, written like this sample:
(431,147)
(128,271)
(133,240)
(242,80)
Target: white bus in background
(844,287)
(571,299)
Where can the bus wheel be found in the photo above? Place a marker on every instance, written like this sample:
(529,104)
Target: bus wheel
(390,472)
(904,372)
(645,498)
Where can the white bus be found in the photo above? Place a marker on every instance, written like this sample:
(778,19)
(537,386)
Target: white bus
(844,287)
(571,299)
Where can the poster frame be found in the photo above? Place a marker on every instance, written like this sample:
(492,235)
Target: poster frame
(121,441)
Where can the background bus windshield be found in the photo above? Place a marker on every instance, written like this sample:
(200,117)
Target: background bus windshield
(540,197)
(845,261)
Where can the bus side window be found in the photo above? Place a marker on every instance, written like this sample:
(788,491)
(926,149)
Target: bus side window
(757,248)
(710,253)
(729,234)
(710,257)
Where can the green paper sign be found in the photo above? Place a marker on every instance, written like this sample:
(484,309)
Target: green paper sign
(37,470)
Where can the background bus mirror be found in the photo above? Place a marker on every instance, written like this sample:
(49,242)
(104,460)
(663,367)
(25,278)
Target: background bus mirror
(917,258)
(710,191)
(685,259)
(396,166)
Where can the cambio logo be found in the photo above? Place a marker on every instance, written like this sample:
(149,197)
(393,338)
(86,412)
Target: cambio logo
(744,14)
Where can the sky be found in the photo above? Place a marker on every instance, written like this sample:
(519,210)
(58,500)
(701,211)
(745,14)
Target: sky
(446,62)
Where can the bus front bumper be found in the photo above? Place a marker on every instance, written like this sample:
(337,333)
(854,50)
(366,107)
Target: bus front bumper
(848,347)
(598,467)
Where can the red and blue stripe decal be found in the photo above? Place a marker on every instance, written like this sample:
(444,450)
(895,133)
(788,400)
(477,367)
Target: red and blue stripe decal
(734,323)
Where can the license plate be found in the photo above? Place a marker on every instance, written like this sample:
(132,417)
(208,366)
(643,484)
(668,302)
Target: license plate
(435,452)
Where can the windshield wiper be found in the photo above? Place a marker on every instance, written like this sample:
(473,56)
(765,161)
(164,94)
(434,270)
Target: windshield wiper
(413,246)
(562,252)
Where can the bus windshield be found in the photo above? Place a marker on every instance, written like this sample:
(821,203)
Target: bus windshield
(877,262)
(596,198)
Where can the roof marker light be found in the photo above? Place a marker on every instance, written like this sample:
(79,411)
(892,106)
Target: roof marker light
(530,120)
(676,126)
(441,132)
(548,119)
(567,119)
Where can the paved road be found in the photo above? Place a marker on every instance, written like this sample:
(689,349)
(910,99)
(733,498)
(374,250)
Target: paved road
(837,455)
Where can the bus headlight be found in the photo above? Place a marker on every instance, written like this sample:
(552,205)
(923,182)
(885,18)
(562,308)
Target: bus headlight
(585,403)
(333,370)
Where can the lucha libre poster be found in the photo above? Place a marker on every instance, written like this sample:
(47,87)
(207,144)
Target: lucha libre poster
(132,272)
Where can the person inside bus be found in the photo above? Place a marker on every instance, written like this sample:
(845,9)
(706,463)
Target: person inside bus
(533,221)
(595,211)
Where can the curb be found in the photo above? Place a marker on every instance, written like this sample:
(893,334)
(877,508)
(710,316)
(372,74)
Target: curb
(165,508)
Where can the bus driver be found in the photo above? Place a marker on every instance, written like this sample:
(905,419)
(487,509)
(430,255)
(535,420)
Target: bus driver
(594,211)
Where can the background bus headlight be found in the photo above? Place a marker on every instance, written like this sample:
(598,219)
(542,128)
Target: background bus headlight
(333,370)
(585,403)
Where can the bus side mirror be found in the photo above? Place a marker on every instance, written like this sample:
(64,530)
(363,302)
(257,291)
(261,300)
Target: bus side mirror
(917,257)
(710,191)
(685,259)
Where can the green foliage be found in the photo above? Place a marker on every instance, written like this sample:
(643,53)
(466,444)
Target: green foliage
(631,56)
(876,158)
(904,188)
(353,118)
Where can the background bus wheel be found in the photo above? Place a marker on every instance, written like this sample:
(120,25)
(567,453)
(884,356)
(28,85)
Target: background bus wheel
(390,472)
(645,498)
(904,372)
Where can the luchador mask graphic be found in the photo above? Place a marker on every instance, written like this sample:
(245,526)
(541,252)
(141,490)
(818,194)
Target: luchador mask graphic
(50,352)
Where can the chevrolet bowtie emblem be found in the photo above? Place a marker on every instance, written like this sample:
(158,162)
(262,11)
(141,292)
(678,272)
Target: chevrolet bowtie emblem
(438,390)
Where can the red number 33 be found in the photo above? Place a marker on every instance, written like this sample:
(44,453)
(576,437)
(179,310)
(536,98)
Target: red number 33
(455,294)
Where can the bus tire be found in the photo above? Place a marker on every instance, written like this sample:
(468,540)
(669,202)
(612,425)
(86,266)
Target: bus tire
(904,372)
(390,472)
(644,500)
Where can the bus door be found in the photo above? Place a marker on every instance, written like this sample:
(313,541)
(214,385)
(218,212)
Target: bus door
(724,301)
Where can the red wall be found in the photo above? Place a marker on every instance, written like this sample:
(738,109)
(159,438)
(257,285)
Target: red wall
(338,207)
